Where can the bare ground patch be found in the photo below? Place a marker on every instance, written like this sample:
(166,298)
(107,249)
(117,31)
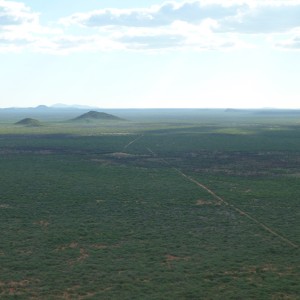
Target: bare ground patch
(16,288)
(201,202)
(100,201)
(251,270)
(83,255)
(68,295)
(42,223)
(121,155)
(169,259)
(72,245)
(284,296)
(4,206)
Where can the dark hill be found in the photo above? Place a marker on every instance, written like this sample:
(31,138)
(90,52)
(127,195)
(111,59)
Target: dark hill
(97,116)
(29,122)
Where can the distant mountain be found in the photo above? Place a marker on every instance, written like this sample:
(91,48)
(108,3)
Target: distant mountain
(278,112)
(264,111)
(29,122)
(39,107)
(42,107)
(61,105)
(96,116)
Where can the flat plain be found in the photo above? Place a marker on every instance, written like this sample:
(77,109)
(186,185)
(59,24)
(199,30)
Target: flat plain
(199,204)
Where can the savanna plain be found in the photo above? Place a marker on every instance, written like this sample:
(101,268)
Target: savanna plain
(180,204)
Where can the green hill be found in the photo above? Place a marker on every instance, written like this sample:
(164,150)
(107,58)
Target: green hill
(92,116)
(29,122)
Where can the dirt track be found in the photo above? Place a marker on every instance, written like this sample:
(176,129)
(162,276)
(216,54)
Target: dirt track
(240,211)
(133,141)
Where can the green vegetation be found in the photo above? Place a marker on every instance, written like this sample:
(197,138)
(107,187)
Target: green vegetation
(168,208)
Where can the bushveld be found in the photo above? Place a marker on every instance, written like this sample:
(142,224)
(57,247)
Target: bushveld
(162,208)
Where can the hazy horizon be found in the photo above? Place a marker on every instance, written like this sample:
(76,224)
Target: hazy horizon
(82,106)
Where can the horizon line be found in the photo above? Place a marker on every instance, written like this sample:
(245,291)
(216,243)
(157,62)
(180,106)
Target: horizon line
(79,106)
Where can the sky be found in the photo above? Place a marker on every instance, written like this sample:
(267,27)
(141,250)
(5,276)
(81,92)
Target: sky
(150,53)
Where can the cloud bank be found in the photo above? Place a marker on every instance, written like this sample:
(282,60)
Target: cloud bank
(201,24)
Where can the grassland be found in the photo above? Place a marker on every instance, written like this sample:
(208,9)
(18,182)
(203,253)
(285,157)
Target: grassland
(183,207)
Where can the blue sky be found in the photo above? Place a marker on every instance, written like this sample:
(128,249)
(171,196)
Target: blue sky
(144,54)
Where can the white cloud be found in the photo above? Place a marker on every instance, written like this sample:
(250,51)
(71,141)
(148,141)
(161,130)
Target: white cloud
(189,24)
(290,44)
(20,28)
(66,44)
(155,16)
(15,19)
(16,13)
(198,24)
(269,17)
(238,16)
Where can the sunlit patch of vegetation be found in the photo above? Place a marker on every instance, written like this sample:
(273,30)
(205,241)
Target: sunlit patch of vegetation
(235,130)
